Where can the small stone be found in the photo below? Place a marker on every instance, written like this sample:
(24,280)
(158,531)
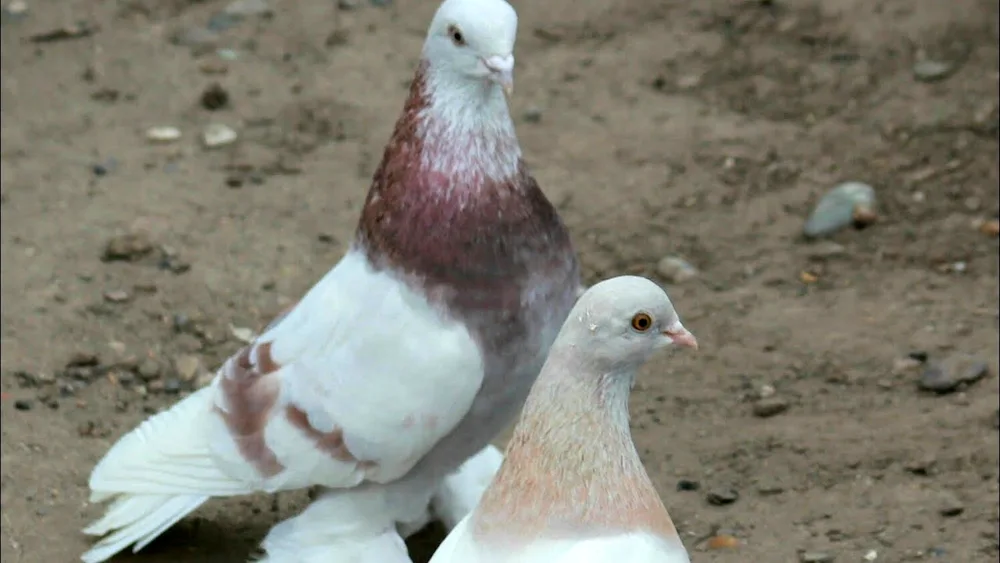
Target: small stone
(923,466)
(22,405)
(128,247)
(766,408)
(871,555)
(949,505)
(769,488)
(815,557)
(242,334)
(214,97)
(837,209)
(533,114)
(83,360)
(172,386)
(953,372)
(808,277)
(990,228)
(194,36)
(116,296)
(722,496)
(163,134)
(766,390)
(218,135)
(16,8)
(905,365)
(675,269)
(932,71)
(347,4)
(687,485)
(825,250)
(723,541)
(244,8)
(148,369)
(187,367)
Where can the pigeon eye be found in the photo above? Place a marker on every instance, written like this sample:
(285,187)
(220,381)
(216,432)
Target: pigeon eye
(456,36)
(642,322)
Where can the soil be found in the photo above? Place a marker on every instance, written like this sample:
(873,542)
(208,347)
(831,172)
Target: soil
(706,130)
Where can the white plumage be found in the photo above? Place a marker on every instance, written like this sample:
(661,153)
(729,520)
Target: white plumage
(346,354)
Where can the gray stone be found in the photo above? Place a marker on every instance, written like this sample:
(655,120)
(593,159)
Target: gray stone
(837,209)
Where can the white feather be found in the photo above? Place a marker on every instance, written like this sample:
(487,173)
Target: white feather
(460,492)
(461,547)
(360,352)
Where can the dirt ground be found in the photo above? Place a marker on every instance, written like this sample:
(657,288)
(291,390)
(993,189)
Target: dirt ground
(706,130)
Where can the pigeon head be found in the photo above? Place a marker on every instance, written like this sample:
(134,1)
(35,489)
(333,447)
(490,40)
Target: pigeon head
(471,43)
(620,322)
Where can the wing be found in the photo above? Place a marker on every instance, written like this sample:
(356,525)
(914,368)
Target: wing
(356,383)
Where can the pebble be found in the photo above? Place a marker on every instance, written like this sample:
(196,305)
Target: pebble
(723,541)
(990,228)
(148,369)
(950,374)
(22,405)
(949,505)
(15,10)
(214,97)
(83,360)
(533,114)
(722,496)
(218,135)
(347,4)
(815,557)
(243,8)
(187,367)
(771,406)
(128,247)
(839,208)
(932,71)
(676,270)
(194,37)
(116,296)
(163,134)
(242,334)
(688,485)
(172,385)
(825,250)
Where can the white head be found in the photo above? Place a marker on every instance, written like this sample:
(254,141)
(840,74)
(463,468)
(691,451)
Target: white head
(618,323)
(473,41)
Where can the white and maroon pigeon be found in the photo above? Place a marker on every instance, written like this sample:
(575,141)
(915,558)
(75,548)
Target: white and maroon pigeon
(403,361)
(572,488)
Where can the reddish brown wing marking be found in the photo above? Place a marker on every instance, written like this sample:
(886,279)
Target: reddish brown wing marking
(331,443)
(249,396)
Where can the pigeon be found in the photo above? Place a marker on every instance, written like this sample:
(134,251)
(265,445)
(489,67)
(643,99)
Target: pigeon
(403,361)
(571,488)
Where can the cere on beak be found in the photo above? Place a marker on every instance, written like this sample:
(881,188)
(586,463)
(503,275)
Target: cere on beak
(501,69)
(681,336)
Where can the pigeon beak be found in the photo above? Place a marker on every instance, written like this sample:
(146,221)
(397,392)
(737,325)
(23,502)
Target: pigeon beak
(681,336)
(501,69)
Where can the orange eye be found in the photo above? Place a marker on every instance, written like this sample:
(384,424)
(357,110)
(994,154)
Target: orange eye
(456,36)
(642,322)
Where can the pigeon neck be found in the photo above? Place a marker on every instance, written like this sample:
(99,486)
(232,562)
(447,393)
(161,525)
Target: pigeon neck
(465,126)
(571,468)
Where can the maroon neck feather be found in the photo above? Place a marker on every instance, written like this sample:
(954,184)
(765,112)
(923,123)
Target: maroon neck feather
(457,229)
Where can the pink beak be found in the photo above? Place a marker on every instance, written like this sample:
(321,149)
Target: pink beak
(502,71)
(681,336)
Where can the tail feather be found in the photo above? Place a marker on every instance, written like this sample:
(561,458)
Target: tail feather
(156,475)
(139,519)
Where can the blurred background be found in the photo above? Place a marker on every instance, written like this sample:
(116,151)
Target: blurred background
(174,172)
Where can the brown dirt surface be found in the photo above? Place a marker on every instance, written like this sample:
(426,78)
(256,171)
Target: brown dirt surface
(706,130)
